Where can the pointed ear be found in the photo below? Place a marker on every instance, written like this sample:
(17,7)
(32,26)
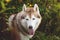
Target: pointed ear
(24,7)
(36,8)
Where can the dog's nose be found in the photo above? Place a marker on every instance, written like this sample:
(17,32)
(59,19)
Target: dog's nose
(30,27)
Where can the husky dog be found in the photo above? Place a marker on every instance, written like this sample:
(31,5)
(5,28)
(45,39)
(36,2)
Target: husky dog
(26,22)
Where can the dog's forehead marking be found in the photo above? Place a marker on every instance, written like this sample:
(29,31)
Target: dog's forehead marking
(30,11)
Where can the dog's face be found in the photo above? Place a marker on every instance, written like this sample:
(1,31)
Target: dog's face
(31,18)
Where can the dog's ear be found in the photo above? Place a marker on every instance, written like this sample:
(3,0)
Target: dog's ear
(36,8)
(24,7)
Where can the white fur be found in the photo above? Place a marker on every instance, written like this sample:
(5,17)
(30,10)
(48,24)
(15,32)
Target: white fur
(27,37)
(36,8)
(24,7)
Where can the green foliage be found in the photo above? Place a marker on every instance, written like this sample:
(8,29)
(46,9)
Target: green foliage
(43,36)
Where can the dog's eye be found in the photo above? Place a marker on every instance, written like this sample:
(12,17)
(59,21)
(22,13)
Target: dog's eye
(27,19)
(33,18)
(22,17)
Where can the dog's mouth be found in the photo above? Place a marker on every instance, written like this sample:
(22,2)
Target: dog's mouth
(31,32)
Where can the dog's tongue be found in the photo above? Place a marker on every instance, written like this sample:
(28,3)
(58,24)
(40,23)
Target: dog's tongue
(31,32)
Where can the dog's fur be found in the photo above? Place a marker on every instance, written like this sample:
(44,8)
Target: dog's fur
(25,22)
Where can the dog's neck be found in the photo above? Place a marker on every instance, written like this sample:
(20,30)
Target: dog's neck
(25,37)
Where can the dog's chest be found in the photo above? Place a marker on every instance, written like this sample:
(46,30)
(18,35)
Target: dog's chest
(23,37)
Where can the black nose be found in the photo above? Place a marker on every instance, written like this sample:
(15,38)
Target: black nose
(30,27)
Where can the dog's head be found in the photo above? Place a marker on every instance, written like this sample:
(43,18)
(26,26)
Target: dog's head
(30,18)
